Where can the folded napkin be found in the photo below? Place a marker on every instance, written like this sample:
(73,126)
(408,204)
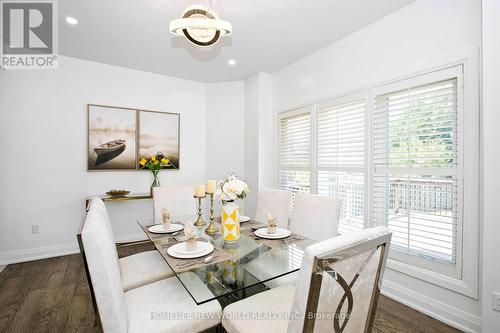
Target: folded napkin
(165,216)
(190,233)
(271,224)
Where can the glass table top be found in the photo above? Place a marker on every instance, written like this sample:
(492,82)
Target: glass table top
(254,261)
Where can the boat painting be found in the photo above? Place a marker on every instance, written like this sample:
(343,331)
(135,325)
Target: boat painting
(112,138)
(109,150)
(110,146)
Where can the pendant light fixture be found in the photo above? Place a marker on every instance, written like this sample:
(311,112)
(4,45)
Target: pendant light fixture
(200,25)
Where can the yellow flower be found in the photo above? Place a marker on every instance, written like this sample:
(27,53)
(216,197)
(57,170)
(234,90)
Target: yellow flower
(156,162)
(165,160)
(153,158)
(142,162)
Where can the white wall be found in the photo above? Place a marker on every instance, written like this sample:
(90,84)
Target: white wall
(421,33)
(43,133)
(491,162)
(251,158)
(416,34)
(260,123)
(268,126)
(224,130)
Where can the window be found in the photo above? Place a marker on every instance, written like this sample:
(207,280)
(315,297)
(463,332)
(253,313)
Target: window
(295,151)
(341,157)
(416,181)
(404,154)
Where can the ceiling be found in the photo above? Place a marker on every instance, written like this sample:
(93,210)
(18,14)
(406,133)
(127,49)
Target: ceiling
(267,34)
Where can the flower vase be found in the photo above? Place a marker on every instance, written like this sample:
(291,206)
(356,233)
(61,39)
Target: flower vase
(230,221)
(156,181)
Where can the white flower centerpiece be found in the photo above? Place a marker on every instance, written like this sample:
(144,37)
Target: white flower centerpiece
(230,189)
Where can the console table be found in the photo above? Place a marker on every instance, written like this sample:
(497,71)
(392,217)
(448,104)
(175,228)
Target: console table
(128,197)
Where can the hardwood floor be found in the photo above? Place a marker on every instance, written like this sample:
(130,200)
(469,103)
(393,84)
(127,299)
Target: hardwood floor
(52,295)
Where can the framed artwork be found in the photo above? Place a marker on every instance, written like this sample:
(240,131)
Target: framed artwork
(112,138)
(119,137)
(159,136)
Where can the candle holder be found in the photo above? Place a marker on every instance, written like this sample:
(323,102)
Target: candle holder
(212,229)
(199,222)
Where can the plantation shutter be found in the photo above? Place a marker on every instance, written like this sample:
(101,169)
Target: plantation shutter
(416,183)
(295,151)
(341,158)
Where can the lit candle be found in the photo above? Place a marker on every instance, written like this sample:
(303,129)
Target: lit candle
(200,191)
(211,185)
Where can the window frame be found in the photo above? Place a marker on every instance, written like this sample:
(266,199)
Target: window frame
(468,283)
(431,264)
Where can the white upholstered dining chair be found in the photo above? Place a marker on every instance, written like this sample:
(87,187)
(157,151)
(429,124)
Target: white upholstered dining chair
(315,216)
(177,199)
(143,309)
(276,202)
(136,269)
(337,290)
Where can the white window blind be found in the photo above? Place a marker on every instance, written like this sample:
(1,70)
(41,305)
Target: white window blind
(341,158)
(416,182)
(295,151)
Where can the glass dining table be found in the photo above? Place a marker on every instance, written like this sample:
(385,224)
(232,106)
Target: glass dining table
(251,261)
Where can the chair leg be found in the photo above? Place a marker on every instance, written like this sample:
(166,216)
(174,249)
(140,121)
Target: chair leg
(97,321)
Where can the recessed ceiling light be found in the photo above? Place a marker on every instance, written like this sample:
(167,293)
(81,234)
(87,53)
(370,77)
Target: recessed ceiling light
(231,62)
(71,20)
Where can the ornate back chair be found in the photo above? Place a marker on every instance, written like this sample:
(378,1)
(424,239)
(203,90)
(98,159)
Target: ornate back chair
(339,283)
(337,290)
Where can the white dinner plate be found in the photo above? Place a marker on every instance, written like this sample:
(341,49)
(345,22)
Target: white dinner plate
(160,228)
(244,218)
(200,247)
(173,250)
(280,233)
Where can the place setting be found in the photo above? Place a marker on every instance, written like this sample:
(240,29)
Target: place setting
(193,252)
(166,228)
(272,234)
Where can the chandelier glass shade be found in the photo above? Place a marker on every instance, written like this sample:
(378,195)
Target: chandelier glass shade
(200,25)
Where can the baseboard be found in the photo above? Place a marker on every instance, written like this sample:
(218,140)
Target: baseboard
(441,311)
(43,252)
(36,253)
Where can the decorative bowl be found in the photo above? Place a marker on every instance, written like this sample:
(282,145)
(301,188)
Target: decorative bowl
(117,193)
